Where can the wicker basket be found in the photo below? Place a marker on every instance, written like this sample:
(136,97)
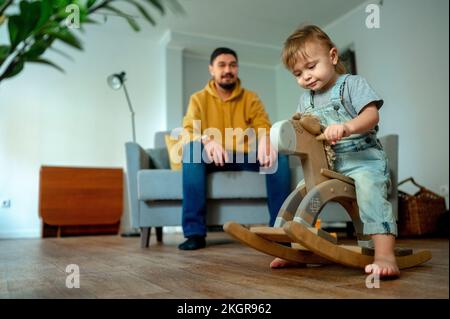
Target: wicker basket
(418,214)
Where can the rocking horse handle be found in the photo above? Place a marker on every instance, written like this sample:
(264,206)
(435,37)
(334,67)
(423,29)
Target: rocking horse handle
(321,137)
(284,137)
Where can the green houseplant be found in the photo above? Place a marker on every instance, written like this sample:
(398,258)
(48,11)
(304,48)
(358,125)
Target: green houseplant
(33,26)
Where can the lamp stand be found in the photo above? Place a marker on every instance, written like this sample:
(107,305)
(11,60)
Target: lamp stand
(134,231)
(132,112)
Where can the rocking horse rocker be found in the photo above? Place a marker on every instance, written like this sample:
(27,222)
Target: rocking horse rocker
(301,136)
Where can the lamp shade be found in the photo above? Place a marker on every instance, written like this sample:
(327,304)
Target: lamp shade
(115,81)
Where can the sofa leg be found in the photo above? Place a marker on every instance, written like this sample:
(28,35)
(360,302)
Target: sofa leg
(145,236)
(159,234)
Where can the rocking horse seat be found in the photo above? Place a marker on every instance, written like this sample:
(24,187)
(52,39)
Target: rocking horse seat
(277,234)
(332,174)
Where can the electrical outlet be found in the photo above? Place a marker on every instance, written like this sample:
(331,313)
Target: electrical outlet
(5,203)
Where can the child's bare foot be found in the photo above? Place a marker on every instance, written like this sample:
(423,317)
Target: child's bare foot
(384,263)
(281,263)
(383,267)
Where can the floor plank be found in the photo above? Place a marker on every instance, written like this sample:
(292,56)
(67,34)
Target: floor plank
(116,267)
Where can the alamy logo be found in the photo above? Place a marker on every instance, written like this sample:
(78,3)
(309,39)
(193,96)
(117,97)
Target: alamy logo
(73,19)
(179,152)
(373,280)
(373,18)
(73,279)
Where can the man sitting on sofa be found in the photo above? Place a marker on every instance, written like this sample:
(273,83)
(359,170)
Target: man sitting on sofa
(224,105)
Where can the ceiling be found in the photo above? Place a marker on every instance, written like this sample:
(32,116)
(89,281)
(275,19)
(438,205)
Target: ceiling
(248,26)
(266,22)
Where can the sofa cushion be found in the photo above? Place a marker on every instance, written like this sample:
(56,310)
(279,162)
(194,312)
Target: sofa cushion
(164,184)
(175,150)
(159,157)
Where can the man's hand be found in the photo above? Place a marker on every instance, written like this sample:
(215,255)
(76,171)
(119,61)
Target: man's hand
(336,132)
(216,153)
(267,154)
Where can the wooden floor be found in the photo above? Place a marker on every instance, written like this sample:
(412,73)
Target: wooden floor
(116,267)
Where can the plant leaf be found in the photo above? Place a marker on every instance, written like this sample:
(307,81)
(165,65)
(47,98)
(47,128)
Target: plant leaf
(143,12)
(37,49)
(30,13)
(14,23)
(4,4)
(49,27)
(67,37)
(21,26)
(175,6)
(58,4)
(4,52)
(157,4)
(89,20)
(130,20)
(64,54)
(14,69)
(46,11)
(90,3)
(47,62)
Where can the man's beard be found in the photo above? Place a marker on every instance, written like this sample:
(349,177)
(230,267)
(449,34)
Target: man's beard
(227,86)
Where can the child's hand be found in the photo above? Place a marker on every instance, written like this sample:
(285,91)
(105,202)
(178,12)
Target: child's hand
(336,132)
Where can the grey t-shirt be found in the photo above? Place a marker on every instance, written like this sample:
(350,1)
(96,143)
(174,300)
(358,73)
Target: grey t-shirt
(357,94)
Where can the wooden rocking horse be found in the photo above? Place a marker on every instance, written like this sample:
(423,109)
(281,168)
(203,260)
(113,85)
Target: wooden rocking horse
(301,136)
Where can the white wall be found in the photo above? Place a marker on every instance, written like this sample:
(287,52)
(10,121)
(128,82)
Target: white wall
(74,119)
(406,61)
(261,80)
(288,93)
(195,76)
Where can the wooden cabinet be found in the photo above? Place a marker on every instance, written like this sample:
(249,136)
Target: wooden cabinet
(80,200)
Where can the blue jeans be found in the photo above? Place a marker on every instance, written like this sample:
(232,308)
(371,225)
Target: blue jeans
(195,171)
(369,168)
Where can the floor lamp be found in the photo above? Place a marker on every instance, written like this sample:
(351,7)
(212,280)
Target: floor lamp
(117,81)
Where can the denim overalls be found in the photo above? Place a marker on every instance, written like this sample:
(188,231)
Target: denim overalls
(362,158)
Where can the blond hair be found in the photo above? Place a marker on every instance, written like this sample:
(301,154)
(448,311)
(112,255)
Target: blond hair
(295,46)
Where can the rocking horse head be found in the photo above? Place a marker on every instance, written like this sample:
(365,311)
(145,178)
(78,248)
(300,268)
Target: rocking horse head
(302,136)
(299,136)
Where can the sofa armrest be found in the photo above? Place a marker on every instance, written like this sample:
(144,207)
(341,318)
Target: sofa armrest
(136,159)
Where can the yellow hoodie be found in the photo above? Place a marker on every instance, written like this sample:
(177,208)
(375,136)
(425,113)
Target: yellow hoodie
(220,119)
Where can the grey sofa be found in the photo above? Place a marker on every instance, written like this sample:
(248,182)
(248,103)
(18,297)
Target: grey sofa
(155,191)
